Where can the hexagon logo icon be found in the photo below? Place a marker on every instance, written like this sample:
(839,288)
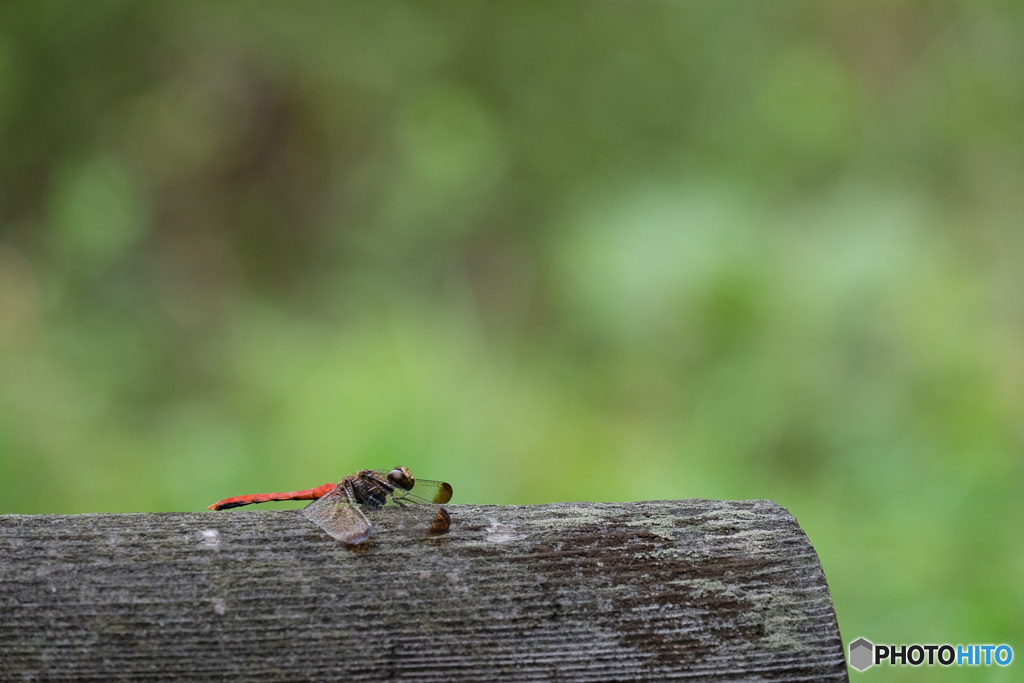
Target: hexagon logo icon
(862,654)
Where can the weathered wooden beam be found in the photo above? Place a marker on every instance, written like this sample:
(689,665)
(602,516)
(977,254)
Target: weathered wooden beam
(695,589)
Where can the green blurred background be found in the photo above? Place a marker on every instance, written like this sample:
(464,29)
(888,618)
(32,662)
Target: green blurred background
(544,251)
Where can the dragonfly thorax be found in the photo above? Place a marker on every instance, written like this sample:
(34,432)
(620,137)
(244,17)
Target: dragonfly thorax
(368,491)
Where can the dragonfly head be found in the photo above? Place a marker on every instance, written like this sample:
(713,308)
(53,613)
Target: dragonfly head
(402,478)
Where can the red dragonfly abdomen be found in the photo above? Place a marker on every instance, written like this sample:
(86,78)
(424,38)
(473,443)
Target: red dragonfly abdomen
(238,501)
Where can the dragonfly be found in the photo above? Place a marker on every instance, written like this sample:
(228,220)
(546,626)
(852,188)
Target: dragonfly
(341,509)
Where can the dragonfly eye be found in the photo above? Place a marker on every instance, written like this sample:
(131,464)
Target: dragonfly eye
(402,477)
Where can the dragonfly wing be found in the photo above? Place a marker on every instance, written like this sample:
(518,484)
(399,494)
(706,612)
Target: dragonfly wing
(413,521)
(425,491)
(422,513)
(434,491)
(338,517)
(440,524)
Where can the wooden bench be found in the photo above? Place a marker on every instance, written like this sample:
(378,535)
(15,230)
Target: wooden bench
(692,589)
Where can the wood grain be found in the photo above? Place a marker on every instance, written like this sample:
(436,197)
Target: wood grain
(696,589)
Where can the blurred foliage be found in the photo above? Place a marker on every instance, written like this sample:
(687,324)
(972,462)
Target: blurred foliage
(545,251)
